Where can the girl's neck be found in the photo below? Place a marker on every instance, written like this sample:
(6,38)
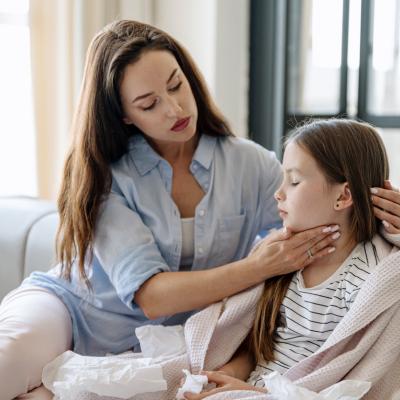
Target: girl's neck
(322,268)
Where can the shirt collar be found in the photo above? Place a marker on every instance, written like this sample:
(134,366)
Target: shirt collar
(143,155)
(146,158)
(204,153)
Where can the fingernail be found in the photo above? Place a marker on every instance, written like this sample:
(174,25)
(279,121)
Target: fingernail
(331,249)
(334,228)
(385,224)
(374,190)
(335,235)
(327,229)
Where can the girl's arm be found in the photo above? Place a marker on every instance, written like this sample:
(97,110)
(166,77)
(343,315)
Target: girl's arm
(168,293)
(240,366)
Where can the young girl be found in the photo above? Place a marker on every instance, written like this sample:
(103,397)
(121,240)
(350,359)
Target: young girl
(329,168)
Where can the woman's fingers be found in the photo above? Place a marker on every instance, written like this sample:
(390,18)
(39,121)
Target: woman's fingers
(390,222)
(389,203)
(314,249)
(387,206)
(311,236)
(317,253)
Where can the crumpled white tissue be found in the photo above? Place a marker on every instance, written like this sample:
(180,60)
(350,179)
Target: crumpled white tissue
(193,384)
(281,388)
(161,342)
(123,377)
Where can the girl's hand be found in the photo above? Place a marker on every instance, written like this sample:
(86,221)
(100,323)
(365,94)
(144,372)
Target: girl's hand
(224,383)
(386,202)
(283,252)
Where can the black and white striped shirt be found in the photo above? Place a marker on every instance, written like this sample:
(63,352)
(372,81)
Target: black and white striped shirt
(309,315)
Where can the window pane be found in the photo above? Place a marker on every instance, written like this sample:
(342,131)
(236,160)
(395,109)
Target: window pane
(384,79)
(17,148)
(14,6)
(314,56)
(391,138)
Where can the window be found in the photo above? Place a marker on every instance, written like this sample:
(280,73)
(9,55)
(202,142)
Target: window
(338,58)
(17,144)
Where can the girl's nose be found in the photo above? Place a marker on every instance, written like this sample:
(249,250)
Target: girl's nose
(279,195)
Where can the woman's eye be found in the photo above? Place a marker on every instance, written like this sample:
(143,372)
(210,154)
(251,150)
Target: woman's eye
(150,107)
(294,183)
(176,87)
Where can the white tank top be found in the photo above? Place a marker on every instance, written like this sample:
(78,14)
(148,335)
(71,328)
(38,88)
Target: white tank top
(187,254)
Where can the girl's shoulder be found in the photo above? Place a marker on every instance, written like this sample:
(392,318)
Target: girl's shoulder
(365,258)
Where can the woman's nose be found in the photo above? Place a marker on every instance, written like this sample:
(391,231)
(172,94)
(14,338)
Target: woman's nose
(172,107)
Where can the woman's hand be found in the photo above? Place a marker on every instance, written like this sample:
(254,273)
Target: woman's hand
(386,202)
(224,383)
(283,251)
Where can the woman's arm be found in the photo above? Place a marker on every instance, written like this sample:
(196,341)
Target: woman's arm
(168,293)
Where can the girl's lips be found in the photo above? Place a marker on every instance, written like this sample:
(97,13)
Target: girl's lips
(181,124)
(282,213)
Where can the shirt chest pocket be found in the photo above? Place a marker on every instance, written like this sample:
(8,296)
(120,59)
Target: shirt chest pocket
(228,236)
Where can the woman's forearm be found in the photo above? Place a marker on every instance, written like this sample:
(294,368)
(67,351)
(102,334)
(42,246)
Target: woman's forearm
(169,293)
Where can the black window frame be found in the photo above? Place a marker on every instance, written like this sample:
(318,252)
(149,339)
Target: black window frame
(269,119)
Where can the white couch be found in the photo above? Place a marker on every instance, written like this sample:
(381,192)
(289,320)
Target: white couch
(27,239)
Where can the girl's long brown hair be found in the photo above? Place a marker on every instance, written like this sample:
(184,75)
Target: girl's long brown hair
(100,137)
(346,151)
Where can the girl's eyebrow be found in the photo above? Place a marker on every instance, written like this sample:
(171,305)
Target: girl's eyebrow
(142,96)
(289,170)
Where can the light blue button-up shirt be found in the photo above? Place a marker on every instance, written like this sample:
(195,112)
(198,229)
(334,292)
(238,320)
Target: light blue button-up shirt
(138,233)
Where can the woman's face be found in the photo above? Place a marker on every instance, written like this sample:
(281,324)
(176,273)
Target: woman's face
(157,98)
(305,199)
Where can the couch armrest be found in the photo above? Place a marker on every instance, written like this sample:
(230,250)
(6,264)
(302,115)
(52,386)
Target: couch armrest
(27,233)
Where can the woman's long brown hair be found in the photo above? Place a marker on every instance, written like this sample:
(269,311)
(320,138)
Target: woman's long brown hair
(100,137)
(346,151)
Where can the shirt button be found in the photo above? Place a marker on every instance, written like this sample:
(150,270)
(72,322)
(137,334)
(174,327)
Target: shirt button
(201,213)
(200,250)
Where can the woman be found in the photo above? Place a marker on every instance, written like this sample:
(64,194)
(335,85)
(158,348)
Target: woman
(159,207)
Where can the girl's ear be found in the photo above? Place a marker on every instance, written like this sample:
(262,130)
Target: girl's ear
(344,198)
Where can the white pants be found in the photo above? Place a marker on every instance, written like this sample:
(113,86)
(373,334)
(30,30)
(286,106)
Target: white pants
(35,327)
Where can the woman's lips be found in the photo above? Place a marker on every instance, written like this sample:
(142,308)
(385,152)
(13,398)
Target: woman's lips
(181,124)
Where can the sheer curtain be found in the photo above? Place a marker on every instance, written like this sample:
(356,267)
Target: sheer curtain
(60,33)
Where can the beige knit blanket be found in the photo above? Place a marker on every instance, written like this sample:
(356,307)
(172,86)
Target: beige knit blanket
(364,346)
